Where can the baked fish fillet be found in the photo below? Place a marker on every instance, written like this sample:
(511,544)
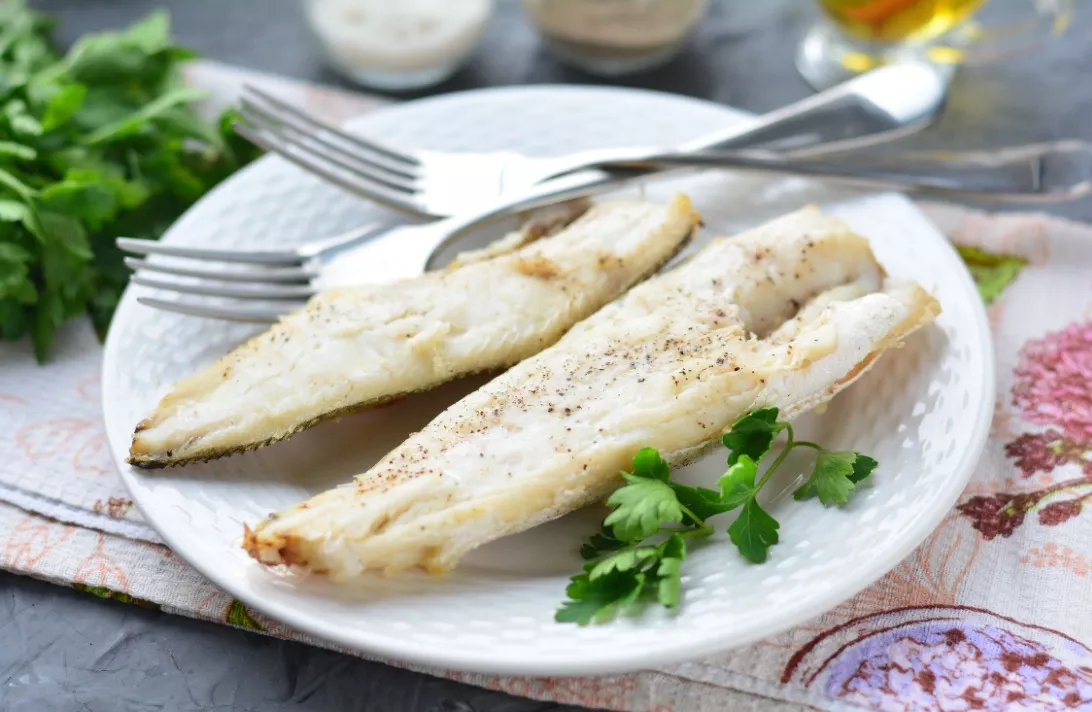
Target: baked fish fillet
(785,315)
(350,348)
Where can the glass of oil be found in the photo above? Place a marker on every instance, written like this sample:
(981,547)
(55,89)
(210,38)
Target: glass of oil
(857,35)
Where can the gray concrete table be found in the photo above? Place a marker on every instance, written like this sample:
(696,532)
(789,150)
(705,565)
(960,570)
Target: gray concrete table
(61,650)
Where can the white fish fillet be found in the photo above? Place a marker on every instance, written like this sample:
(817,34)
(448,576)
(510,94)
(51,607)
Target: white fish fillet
(785,315)
(350,348)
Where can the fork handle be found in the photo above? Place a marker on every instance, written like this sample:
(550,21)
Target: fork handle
(1058,171)
(1052,171)
(847,117)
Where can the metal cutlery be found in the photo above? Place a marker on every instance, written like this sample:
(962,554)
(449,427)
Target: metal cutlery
(1046,172)
(273,282)
(283,279)
(865,110)
(878,106)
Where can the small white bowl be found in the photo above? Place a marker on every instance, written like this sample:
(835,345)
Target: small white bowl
(615,37)
(397,46)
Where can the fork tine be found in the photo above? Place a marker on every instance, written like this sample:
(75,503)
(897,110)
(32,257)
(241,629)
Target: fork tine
(248,314)
(333,139)
(316,144)
(271,274)
(285,109)
(152,247)
(287,291)
(356,184)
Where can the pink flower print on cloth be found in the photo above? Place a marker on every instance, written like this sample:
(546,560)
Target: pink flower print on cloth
(1053,387)
(1054,382)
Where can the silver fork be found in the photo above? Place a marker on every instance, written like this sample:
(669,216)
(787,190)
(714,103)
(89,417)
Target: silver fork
(878,106)
(281,280)
(274,282)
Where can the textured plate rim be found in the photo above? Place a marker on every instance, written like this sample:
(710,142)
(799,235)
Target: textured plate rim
(388,646)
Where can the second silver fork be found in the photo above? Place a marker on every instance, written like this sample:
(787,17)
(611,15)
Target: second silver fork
(264,284)
(875,107)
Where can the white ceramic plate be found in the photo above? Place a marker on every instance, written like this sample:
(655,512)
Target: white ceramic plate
(923,412)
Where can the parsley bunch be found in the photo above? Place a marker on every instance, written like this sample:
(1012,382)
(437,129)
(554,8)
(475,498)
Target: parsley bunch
(98,143)
(638,555)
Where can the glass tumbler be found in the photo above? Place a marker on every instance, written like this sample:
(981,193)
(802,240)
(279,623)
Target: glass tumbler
(857,35)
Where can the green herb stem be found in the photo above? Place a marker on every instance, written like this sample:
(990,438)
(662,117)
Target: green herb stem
(701,532)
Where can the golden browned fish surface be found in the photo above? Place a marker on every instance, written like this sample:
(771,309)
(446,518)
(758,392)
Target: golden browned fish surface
(349,348)
(785,315)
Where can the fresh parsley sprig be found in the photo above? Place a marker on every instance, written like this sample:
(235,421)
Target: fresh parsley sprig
(638,555)
(100,142)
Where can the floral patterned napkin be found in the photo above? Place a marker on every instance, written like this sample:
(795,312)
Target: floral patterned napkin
(991,612)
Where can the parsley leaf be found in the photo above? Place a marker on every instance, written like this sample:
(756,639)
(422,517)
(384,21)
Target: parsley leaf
(754,532)
(647,502)
(641,508)
(752,435)
(648,464)
(863,466)
(619,581)
(992,273)
(700,502)
(624,561)
(668,574)
(737,485)
(833,476)
(599,544)
(600,599)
